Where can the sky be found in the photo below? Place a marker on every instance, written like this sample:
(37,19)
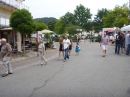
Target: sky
(58,8)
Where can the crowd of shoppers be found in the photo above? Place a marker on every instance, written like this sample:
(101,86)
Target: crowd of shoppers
(121,41)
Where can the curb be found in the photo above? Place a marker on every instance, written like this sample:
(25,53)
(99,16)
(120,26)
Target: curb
(33,64)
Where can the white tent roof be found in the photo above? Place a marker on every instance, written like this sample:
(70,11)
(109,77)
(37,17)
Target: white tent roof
(45,31)
(126,28)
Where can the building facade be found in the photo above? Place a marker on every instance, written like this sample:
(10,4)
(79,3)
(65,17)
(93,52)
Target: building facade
(7,7)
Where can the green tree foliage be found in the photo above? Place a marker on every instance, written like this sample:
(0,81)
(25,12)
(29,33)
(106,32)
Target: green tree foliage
(60,26)
(98,19)
(70,18)
(22,21)
(116,17)
(45,19)
(71,29)
(82,16)
(89,26)
(47,35)
(40,26)
(51,25)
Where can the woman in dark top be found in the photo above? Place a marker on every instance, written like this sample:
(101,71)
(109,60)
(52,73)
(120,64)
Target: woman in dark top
(70,46)
(123,42)
(61,48)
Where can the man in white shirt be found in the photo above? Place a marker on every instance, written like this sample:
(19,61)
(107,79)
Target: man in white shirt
(66,43)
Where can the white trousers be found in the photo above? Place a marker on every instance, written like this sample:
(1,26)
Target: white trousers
(6,65)
(104,47)
(42,58)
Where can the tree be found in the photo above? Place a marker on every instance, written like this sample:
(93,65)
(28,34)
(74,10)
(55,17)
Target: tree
(82,16)
(39,27)
(60,26)
(70,18)
(22,21)
(71,29)
(45,19)
(51,25)
(116,17)
(98,19)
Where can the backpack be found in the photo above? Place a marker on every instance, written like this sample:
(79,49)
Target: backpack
(117,37)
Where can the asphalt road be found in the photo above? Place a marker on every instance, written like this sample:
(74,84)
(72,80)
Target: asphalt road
(86,75)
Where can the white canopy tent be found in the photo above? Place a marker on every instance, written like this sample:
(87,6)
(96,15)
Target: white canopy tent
(126,28)
(45,31)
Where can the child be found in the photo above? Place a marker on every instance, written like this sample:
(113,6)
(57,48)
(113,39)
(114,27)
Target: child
(77,49)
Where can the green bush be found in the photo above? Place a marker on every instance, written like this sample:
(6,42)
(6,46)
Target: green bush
(50,41)
(74,39)
(56,39)
(63,35)
(47,35)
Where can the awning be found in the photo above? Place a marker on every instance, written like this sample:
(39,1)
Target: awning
(109,30)
(6,29)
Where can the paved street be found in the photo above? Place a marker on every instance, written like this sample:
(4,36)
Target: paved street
(86,75)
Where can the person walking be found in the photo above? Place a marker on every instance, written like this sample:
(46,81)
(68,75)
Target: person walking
(77,48)
(104,42)
(61,48)
(127,41)
(6,51)
(79,37)
(41,52)
(118,43)
(71,45)
(66,43)
(123,42)
(115,37)
(110,39)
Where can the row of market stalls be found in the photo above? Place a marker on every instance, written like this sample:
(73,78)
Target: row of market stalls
(40,34)
(109,30)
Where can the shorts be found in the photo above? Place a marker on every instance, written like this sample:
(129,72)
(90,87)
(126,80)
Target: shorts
(104,47)
(122,45)
(70,47)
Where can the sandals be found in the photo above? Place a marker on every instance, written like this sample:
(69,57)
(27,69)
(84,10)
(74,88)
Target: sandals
(4,75)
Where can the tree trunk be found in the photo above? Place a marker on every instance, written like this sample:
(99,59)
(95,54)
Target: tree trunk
(36,41)
(24,44)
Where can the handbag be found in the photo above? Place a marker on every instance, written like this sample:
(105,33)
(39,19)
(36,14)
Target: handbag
(79,49)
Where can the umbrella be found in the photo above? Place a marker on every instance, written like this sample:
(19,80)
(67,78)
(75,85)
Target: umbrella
(46,31)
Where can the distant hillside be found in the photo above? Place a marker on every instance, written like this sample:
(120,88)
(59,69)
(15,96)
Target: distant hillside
(45,19)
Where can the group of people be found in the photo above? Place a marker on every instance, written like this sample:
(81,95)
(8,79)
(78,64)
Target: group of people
(65,47)
(123,42)
(120,39)
(6,51)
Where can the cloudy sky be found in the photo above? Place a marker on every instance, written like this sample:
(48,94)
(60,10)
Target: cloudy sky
(57,8)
